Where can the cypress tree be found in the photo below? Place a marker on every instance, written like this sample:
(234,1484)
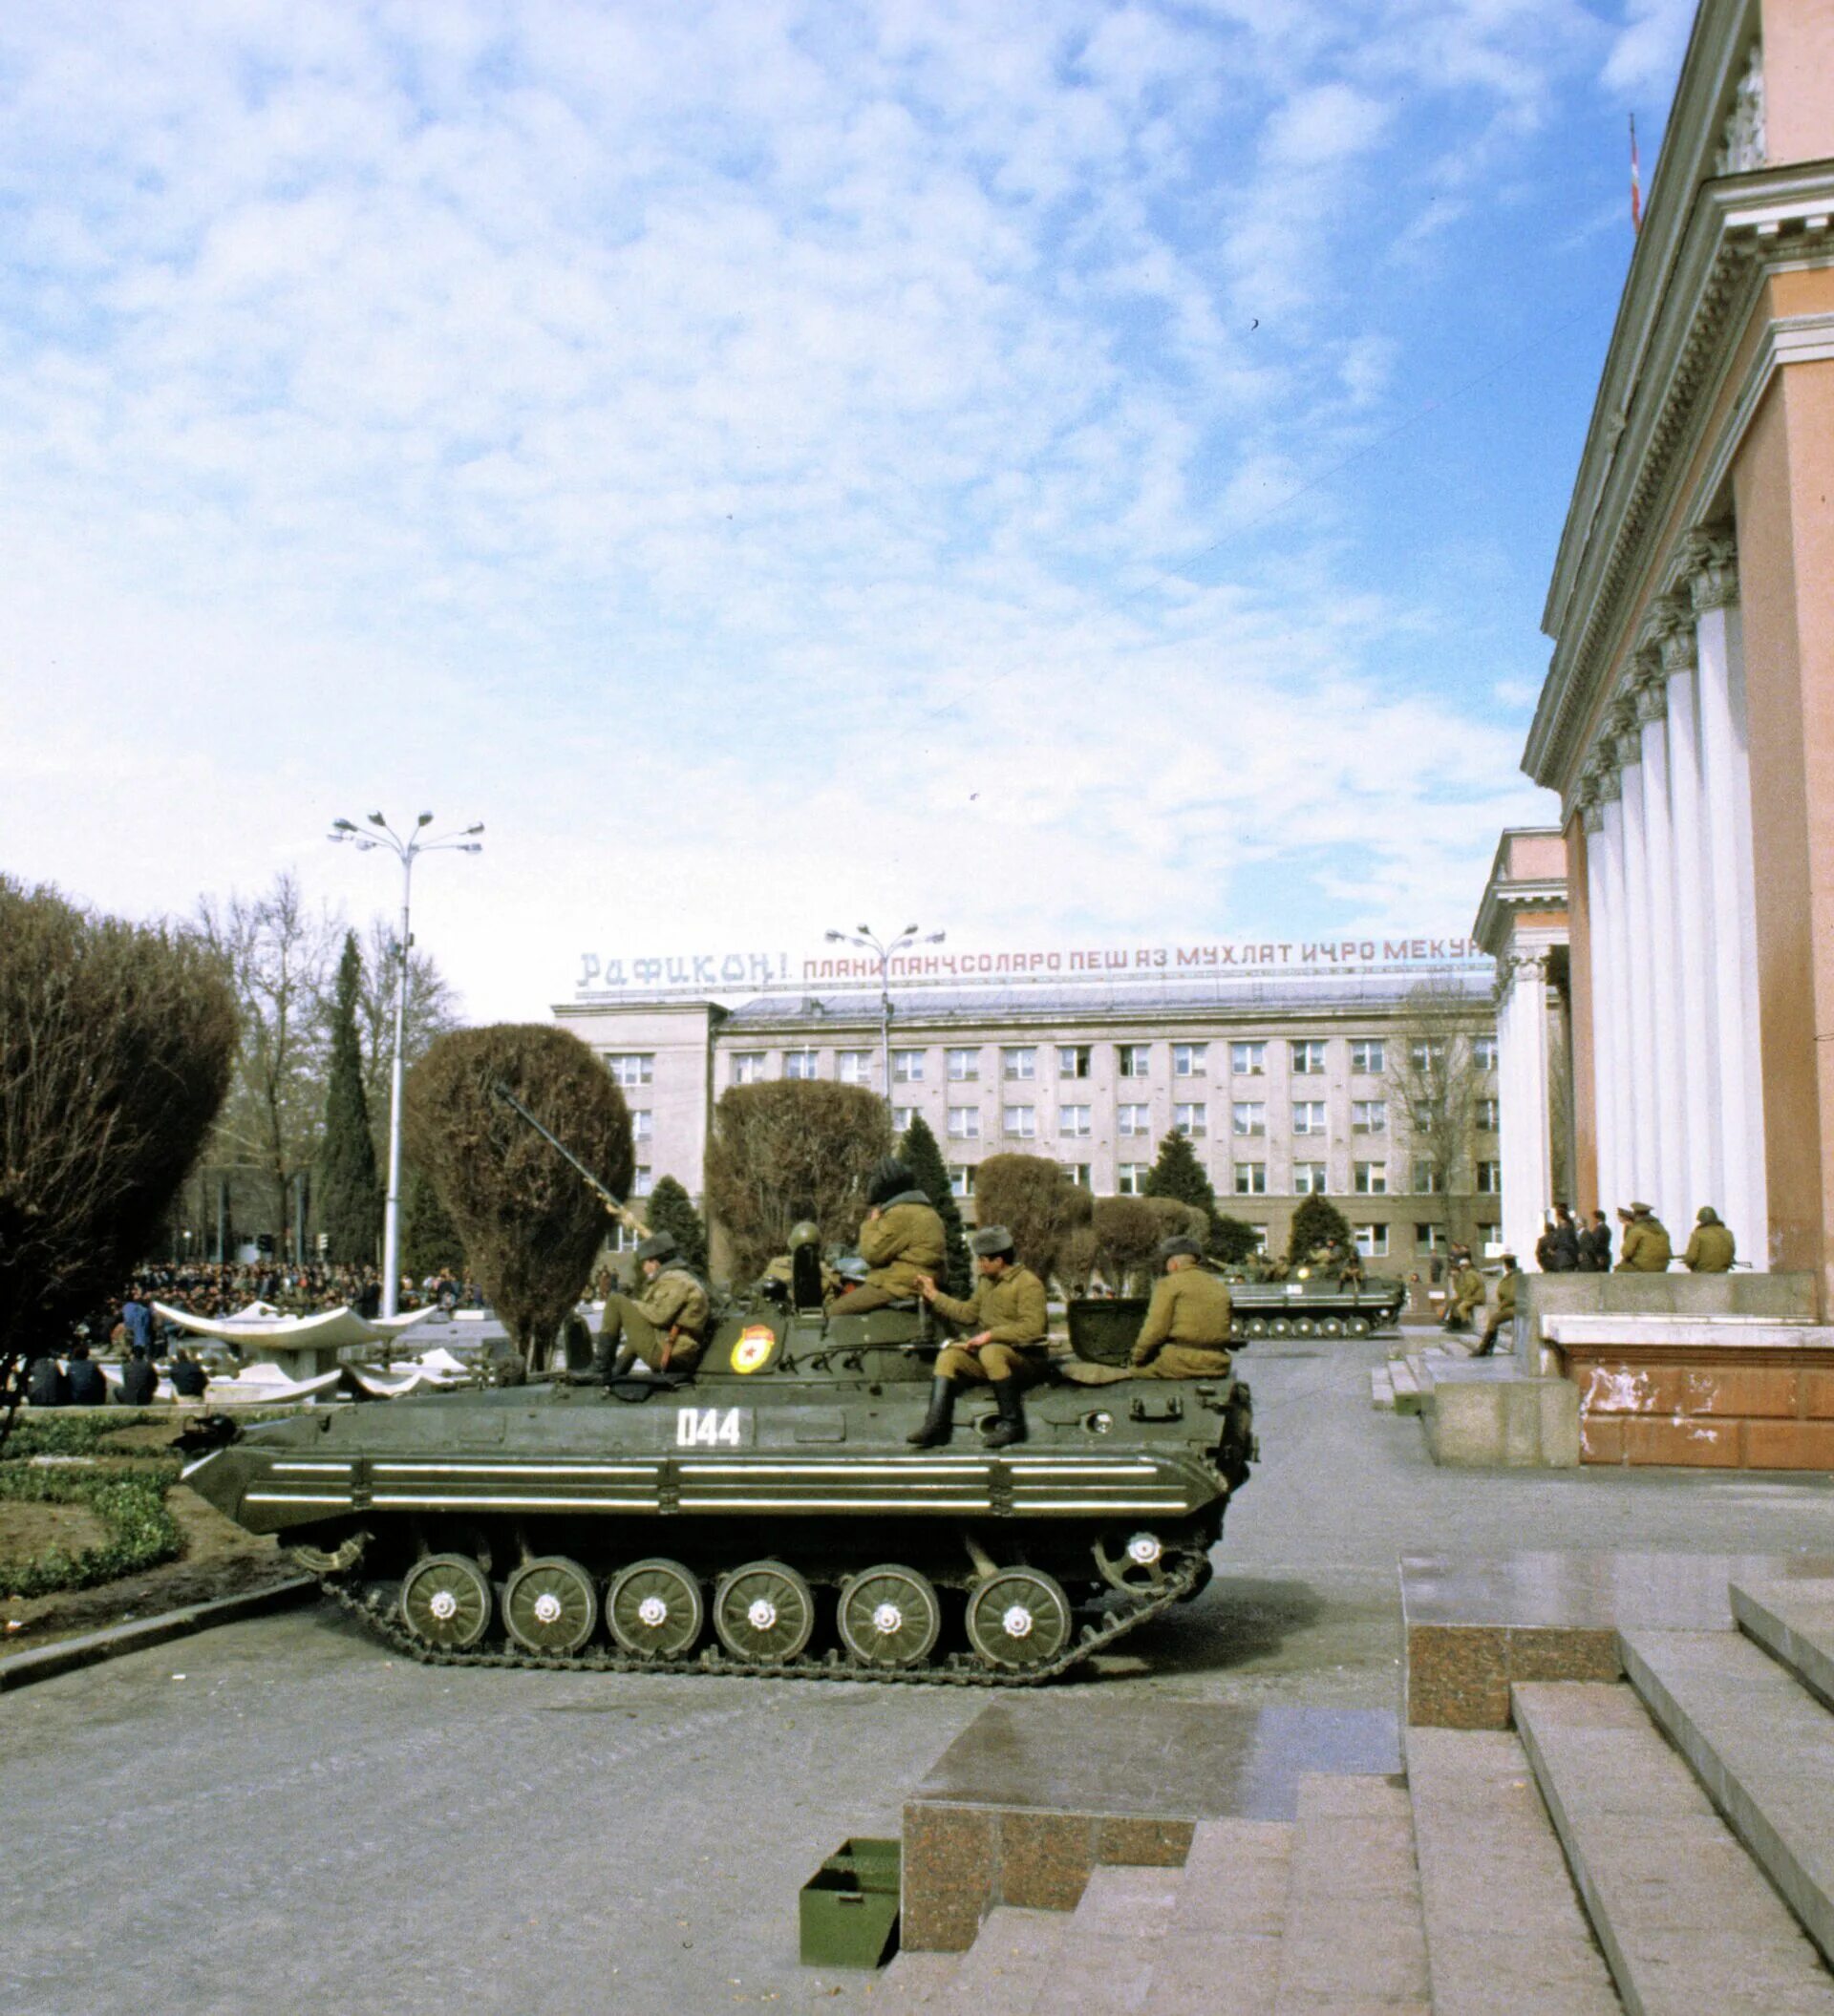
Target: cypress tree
(430,1242)
(349,1198)
(1232,1241)
(923,1158)
(671,1209)
(1179,1174)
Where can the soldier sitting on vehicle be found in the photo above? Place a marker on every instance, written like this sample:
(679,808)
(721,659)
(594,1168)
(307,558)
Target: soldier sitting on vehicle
(1186,1332)
(900,1242)
(1008,1318)
(664,1328)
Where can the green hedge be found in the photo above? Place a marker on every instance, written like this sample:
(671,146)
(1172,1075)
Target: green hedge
(142,1532)
(77,1435)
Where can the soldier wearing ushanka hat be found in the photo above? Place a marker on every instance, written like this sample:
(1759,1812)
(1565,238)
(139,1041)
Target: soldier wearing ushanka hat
(1189,1321)
(665,1327)
(1007,1321)
(901,1241)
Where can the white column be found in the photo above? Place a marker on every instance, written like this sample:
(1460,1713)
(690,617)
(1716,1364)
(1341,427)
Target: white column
(1669,1175)
(1639,1047)
(1521,1042)
(1706,1172)
(1726,790)
(1598,921)
(1618,1002)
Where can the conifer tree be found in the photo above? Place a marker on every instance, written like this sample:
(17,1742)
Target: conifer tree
(671,1209)
(430,1242)
(1316,1221)
(350,1199)
(1179,1174)
(923,1158)
(1232,1239)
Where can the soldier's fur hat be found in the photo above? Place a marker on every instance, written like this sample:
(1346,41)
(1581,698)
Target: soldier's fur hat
(990,1242)
(888,1180)
(1170,1248)
(659,1246)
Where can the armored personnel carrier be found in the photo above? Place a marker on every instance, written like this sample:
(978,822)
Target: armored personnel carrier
(766,1517)
(1314,1302)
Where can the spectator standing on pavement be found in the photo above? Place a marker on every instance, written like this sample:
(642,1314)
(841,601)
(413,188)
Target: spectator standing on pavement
(1566,1243)
(1595,1246)
(137,1319)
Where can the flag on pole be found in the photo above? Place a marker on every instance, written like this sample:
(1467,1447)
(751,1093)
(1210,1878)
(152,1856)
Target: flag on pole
(1637,182)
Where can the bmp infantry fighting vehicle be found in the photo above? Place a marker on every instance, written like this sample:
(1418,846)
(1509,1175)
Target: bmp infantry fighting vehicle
(767,1516)
(1316,1303)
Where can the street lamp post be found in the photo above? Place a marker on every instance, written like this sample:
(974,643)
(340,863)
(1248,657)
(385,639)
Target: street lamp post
(380,834)
(883,952)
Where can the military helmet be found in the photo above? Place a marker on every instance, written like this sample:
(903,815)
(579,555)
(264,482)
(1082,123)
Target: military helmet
(889,1176)
(659,1246)
(807,1233)
(990,1242)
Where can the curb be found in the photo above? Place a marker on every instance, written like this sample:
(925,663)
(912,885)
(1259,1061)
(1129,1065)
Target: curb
(48,1661)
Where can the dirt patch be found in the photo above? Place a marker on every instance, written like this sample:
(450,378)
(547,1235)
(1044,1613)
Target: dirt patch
(219,1559)
(27,1530)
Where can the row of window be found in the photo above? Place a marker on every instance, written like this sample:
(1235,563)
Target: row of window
(1019,1062)
(1366,1179)
(1248,1119)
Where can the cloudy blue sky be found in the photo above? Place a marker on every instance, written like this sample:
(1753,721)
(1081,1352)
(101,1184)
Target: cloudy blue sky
(1069,473)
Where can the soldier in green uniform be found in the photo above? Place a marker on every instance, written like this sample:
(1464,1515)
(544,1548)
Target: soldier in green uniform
(1186,1333)
(900,1242)
(1504,1311)
(1645,1248)
(1007,1319)
(1711,1246)
(1465,1294)
(665,1327)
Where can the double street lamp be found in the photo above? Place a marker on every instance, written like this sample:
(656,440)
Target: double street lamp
(376,832)
(867,941)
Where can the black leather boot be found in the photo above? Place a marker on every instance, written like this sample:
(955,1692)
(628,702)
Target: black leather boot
(1011,1426)
(940,1419)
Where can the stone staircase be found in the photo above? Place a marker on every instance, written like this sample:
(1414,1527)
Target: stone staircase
(1662,1845)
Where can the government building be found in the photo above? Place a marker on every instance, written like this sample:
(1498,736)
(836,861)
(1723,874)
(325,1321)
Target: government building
(1289,1074)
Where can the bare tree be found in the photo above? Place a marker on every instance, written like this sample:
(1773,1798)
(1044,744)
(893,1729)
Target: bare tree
(1434,1080)
(115,1048)
(279,953)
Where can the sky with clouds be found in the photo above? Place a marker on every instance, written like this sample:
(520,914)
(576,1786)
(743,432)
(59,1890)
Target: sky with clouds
(1071,474)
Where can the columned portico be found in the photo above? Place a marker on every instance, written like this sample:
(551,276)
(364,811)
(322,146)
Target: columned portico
(1522,924)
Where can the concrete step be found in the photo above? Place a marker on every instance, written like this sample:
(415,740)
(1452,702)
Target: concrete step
(1104,1962)
(1505,1932)
(914,1981)
(1221,1952)
(1794,1622)
(1381,1390)
(1685,1918)
(1762,1748)
(1407,1388)
(1353,1943)
(1014,1954)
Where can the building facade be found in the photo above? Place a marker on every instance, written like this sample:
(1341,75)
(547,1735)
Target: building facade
(1286,1083)
(1688,717)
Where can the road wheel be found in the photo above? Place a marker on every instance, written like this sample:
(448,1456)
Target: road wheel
(1304,1327)
(1331,1326)
(446,1602)
(550,1606)
(1360,1326)
(890,1617)
(1018,1620)
(764,1611)
(1131,1559)
(655,1609)
(1280,1327)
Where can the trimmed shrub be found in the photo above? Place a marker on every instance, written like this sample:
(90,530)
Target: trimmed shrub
(795,1149)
